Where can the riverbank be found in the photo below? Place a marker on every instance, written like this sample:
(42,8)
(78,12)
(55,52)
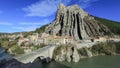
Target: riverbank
(4,54)
(7,61)
(93,62)
(96,62)
(72,54)
(99,53)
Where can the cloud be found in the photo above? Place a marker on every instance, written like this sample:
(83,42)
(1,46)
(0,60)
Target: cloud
(86,3)
(40,23)
(46,8)
(30,26)
(5,24)
(25,28)
(42,9)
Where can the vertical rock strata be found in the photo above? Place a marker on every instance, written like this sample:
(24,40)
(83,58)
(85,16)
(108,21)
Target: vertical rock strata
(74,21)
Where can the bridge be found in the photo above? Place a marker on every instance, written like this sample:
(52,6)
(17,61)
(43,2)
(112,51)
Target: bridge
(47,52)
(42,53)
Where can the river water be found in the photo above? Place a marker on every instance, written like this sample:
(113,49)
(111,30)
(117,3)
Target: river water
(4,55)
(94,62)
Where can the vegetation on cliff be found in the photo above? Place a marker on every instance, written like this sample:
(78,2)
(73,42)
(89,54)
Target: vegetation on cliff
(102,48)
(11,46)
(112,25)
(17,50)
(41,29)
(108,48)
(57,51)
(66,53)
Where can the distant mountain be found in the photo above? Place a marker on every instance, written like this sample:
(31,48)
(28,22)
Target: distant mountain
(74,21)
(4,34)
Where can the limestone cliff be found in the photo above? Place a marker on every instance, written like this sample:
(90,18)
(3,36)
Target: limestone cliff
(72,54)
(66,53)
(74,21)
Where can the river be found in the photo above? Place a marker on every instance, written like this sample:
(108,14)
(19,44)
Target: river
(4,55)
(94,62)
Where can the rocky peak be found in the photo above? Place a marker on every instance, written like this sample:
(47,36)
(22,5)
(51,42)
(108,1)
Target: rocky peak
(74,21)
(75,9)
(61,6)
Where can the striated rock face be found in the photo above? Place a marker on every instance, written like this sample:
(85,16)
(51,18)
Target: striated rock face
(74,21)
(75,56)
(85,52)
(61,56)
(69,54)
(72,54)
(66,53)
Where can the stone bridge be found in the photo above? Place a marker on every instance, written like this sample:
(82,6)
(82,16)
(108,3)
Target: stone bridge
(42,53)
(47,52)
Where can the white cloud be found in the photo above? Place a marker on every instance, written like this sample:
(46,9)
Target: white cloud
(30,26)
(40,23)
(26,28)
(44,8)
(5,24)
(86,3)
(30,23)
(48,7)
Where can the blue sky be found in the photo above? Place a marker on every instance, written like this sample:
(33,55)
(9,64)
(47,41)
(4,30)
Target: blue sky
(27,15)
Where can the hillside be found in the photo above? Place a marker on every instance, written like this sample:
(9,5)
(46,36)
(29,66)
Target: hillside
(74,21)
(112,25)
(41,29)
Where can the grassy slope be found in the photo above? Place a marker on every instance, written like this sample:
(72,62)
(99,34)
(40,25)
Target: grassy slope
(112,25)
(41,29)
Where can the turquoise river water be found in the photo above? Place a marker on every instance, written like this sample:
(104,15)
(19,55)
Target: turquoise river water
(94,62)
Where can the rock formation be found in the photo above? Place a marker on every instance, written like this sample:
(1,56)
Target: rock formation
(74,21)
(72,54)
(66,53)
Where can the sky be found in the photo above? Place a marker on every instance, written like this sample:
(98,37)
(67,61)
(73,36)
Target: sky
(27,15)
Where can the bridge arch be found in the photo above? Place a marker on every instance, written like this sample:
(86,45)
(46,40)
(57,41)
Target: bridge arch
(39,58)
(45,53)
(42,59)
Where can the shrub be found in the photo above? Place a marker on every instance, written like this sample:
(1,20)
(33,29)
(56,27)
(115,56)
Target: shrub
(35,47)
(82,51)
(112,25)
(17,50)
(104,48)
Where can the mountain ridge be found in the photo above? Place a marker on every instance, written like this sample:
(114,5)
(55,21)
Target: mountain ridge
(112,25)
(74,21)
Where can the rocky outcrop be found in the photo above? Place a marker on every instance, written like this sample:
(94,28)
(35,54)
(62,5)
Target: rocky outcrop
(85,52)
(66,53)
(60,56)
(74,21)
(71,54)
(75,56)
